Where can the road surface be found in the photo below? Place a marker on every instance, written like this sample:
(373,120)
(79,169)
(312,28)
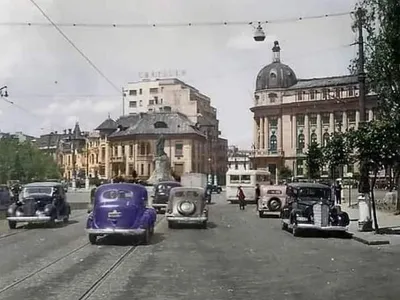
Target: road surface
(240,256)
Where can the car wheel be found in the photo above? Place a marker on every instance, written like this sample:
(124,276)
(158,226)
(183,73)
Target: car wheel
(66,219)
(204,225)
(261,214)
(151,230)
(171,225)
(274,204)
(93,239)
(284,226)
(146,237)
(12,224)
(295,231)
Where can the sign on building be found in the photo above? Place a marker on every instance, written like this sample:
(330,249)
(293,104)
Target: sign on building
(162,74)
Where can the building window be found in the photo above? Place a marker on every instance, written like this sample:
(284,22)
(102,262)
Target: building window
(151,102)
(160,124)
(273,143)
(148,169)
(272,97)
(130,150)
(132,93)
(299,96)
(351,116)
(141,169)
(236,164)
(300,167)
(153,90)
(116,151)
(300,120)
(313,138)
(325,138)
(156,100)
(351,91)
(123,150)
(142,149)
(140,92)
(312,95)
(273,123)
(313,119)
(140,103)
(337,93)
(325,118)
(132,104)
(301,142)
(324,94)
(178,149)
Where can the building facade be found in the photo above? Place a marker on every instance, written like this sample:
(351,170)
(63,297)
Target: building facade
(126,147)
(239,159)
(290,113)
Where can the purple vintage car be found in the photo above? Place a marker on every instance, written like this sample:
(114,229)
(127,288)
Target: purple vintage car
(120,209)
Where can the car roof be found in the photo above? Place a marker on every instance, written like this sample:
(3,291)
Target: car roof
(308,184)
(43,184)
(125,185)
(168,182)
(187,188)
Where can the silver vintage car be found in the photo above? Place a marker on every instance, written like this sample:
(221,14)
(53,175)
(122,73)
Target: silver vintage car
(187,205)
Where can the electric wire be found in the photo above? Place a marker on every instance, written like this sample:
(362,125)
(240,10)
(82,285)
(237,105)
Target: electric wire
(166,25)
(75,47)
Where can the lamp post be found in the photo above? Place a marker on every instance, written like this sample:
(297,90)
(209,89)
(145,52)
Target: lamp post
(210,138)
(87,165)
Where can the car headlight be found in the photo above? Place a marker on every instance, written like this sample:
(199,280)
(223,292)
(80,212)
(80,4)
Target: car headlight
(10,211)
(19,213)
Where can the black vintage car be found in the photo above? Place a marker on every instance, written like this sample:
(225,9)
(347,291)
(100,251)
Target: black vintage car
(311,206)
(214,188)
(39,202)
(161,194)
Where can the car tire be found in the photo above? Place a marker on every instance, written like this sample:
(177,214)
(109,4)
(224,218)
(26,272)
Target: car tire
(204,225)
(12,224)
(296,231)
(146,237)
(284,226)
(261,214)
(171,225)
(274,204)
(93,239)
(66,219)
(152,230)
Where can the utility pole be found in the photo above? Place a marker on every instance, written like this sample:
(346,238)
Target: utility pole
(364,203)
(123,101)
(87,182)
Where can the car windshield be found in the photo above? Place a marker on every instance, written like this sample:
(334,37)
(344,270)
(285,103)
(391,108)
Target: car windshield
(117,194)
(163,188)
(37,190)
(314,193)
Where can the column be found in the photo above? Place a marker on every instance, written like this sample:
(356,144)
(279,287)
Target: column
(370,115)
(279,133)
(261,133)
(126,160)
(357,118)
(319,132)
(331,122)
(294,132)
(344,121)
(266,133)
(255,132)
(306,131)
(107,161)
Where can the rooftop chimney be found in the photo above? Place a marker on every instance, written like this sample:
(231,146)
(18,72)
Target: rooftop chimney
(70,131)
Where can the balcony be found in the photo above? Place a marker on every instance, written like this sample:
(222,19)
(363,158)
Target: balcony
(268,152)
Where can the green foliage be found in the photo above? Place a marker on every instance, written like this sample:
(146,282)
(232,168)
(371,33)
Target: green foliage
(381,21)
(338,151)
(285,172)
(314,160)
(24,162)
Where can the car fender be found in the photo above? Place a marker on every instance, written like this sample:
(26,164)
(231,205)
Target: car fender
(50,209)
(11,209)
(149,217)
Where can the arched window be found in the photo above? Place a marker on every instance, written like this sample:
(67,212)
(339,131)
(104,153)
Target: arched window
(273,143)
(314,138)
(160,124)
(301,141)
(325,138)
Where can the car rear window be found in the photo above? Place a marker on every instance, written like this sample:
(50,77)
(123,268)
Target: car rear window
(117,194)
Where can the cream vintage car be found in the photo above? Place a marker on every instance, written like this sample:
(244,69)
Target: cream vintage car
(272,199)
(187,205)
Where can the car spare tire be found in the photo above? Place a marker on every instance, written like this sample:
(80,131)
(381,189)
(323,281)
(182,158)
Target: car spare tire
(186,208)
(274,204)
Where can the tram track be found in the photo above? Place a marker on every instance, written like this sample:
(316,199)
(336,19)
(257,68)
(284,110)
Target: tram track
(93,287)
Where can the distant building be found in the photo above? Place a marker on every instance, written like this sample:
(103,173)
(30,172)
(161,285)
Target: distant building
(290,113)
(238,159)
(20,136)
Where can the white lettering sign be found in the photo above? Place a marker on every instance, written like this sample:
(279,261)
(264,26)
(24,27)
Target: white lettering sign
(162,74)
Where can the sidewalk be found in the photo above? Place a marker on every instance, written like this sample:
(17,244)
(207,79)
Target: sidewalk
(388,223)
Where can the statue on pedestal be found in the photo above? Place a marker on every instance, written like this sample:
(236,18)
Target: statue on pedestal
(162,170)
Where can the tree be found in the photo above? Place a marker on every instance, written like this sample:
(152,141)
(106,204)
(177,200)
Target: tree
(314,160)
(374,145)
(338,152)
(285,172)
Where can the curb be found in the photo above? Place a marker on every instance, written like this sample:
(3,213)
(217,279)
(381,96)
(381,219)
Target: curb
(370,242)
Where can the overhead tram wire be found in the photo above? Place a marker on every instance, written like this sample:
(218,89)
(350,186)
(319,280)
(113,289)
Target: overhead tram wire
(75,47)
(166,25)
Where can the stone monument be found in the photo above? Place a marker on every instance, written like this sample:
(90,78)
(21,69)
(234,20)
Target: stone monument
(162,170)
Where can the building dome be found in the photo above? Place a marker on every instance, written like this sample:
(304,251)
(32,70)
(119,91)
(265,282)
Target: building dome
(275,75)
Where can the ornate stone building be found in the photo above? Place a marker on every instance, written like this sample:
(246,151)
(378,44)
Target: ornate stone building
(127,145)
(289,113)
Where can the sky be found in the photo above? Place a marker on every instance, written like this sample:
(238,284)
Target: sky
(52,86)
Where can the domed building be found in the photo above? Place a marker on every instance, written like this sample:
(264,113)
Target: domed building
(290,113)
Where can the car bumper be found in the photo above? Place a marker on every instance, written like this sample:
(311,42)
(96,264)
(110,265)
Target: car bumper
(159,205)
(326,228)
(189,220)
(30,219)
(116,231)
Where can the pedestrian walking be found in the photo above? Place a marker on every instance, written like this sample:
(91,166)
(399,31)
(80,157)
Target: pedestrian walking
(258,195)
(241,196)
(338,192)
